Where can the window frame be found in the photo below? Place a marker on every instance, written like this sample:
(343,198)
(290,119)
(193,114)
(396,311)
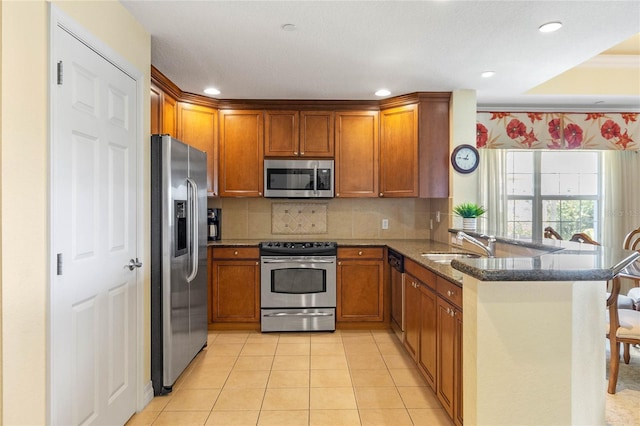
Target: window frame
(537,199)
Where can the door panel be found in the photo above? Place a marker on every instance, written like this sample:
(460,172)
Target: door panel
(94,211)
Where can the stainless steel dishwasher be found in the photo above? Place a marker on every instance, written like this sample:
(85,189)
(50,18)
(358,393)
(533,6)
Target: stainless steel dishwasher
(396,261)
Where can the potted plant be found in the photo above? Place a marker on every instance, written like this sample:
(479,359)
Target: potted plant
(469,213)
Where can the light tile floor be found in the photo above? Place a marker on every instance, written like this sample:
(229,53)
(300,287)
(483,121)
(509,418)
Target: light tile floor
(341,378)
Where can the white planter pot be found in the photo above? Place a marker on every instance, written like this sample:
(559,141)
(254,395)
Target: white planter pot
(469,223)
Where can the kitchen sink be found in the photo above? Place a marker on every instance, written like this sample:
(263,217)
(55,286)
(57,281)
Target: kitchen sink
(448,257)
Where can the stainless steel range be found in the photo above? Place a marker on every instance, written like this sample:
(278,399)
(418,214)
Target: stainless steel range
(298,286)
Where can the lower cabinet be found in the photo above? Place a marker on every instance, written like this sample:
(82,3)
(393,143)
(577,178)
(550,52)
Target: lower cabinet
(360,284)
(235,280)
(433,333)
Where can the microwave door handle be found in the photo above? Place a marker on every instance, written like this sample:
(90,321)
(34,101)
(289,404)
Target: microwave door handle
(315,179)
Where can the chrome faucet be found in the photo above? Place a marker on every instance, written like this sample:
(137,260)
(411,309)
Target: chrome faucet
(490,248)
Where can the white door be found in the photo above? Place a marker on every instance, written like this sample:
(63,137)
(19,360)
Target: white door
(93,294)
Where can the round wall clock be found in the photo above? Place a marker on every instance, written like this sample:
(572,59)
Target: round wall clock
(465,158)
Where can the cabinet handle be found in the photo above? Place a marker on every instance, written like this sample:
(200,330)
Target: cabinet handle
(360,253)
(295,152)
(302,153)
(235,253)
(337,194)
(453,312)
(339,263)
(450,293)
(381,194)
(260,194)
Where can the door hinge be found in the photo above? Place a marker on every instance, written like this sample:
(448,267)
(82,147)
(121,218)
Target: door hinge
(59,264)
(59,73)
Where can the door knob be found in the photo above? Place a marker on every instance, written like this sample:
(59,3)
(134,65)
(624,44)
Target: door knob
(134,264)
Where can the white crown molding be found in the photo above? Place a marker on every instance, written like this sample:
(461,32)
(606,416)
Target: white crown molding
(612,61)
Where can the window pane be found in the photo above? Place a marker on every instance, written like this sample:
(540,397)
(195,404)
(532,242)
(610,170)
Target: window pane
(520,184)
(569,217)
(520,161)
(550,184)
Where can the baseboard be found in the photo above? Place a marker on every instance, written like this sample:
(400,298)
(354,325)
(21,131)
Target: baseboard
(147,395)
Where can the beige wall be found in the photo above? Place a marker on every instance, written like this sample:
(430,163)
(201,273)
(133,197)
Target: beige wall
(24,191)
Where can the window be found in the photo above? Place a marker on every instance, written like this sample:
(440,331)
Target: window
(560,189)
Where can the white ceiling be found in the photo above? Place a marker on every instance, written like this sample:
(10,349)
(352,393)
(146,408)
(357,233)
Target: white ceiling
(345,50)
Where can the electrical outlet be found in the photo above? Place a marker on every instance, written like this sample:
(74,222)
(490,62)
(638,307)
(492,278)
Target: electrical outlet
(430,223)
(438,216)
(385,223)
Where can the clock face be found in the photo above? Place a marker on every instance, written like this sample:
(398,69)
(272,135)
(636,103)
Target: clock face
(465,158)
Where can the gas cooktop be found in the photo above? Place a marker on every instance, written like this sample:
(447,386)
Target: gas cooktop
(326,248)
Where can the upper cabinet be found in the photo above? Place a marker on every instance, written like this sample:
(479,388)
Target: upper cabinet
(198,127)
(163,112)
(241,153)
(357,149)
(433,144)
(298,133)
(399,152)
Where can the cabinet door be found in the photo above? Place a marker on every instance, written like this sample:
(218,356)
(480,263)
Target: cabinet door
(281,138)
(357,154)
(446,355)
(412,316)
(156,110)
(360,290)
(399,152)
(427,360)
(434,145)
(209,285)
(316,134)
(241,153)
(169,116)
(236,291)
(457,401)
(197,126)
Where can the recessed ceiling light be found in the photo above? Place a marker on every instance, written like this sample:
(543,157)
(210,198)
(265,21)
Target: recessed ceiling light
(550,27)
(488,74)
(288,27)
(211,91)
(383,92)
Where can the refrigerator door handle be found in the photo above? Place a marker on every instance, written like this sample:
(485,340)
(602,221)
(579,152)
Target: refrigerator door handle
(194,228)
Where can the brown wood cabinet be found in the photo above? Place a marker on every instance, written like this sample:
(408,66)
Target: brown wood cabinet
(357,150)
(316,133)
(163,112)
(360,284)
(298,134)
(420,341)
(198,127)
(236,284)
(399,152)
(412,315)
(449,370)
(433,141)
(241,153)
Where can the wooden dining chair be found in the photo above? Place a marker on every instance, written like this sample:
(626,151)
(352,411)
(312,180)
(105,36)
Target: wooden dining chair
(549,232)
(581,237)
(623,328)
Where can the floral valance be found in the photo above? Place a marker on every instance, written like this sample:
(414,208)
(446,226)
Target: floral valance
(558,130)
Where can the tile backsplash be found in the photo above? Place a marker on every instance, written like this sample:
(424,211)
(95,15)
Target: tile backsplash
(298,218)
(337,218)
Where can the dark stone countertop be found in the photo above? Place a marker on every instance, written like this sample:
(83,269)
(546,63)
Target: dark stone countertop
(563,260)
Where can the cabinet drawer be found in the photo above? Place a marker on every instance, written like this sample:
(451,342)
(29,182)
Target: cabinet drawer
(423,274)
(450,291)
(360,252)
(236,253)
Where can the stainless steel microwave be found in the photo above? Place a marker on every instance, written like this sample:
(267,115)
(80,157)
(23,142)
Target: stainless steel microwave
(298,178)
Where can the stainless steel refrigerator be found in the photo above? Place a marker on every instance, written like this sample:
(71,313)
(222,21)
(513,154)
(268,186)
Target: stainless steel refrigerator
(178,258)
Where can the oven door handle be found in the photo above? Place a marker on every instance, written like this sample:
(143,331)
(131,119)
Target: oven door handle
(298,261)
(299,314)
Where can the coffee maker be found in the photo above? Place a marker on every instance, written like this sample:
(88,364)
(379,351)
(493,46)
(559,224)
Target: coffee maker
(214,222)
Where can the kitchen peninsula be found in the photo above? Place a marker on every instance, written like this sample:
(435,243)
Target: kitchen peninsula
(533,336)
